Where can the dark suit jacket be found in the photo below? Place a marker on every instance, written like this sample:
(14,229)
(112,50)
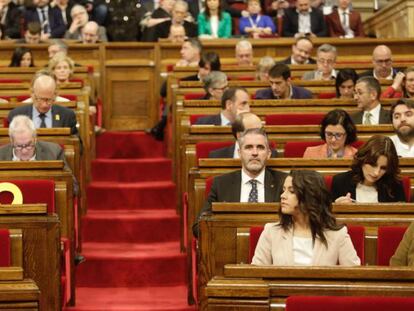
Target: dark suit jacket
(291,23)
(384,118)
(44,151)
(227,188)
(213,120)
(56,24)
(297,93)
(61,116)
(370,73)
(288,61)
(228,152)
(335,29)
(12,22)
(343,183)
(163,30)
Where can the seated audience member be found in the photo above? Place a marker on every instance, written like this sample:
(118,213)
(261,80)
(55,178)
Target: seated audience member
(281,86)
(50,19)
(234,101)
(244,121)
(402,113)
(97,10)
(10,17)
(190,53)
(90,33)
(214,22)
(62,67)
(382,64)
(403,85)
(177,34)
(345,83)
(209,61)
(65,6)
(32,34)
(344,21)
(304,21)
(244,53)
(179,15)
(367,97)
(339,132)
(263,67)
(307,233)
(57,46)
(22,57)
(374,175)
(42,108)
(215,83)
(404,254)
(151,19)
(301,52)
(253,183)
(256,24)
(79,20)
(276,8)
(325,61)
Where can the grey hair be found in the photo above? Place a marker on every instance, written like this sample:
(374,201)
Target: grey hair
(214,78)
(244,44)
(63,47)
(327,48)
(255,131)
(77,6)
(181,3)
(20,124)
(264,65)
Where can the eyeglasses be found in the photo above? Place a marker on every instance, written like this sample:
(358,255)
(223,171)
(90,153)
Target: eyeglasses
(28,146)
(387,61)
(337,136)
(325,61)
(44,100)
(221,88)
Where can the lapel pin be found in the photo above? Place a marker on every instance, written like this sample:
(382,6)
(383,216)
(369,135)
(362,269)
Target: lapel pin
(57,117)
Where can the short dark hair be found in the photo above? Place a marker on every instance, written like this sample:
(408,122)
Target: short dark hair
(230,94)
(372,84)
(34,28)
(211,58)
(402,101)
(340,117)
(345,75)
(280,70)
(194,42)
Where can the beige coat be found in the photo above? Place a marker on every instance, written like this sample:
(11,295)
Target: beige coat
(404,255)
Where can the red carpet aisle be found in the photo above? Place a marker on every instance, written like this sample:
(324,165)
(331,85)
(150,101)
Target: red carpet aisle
(131,231)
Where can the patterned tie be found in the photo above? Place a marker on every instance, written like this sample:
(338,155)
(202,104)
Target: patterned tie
(253,196)
(45,23)
(367,118)
(42,117)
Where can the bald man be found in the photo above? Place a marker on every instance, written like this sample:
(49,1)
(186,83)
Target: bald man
(382,64)
(244,121)
(43,109)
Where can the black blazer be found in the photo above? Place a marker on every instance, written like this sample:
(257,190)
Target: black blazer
(370,73)
(56,24)
(162,30)
(343,183)
(212,120)
(291,23)
(384,117)
(228,152)
(288,61)
(12,21)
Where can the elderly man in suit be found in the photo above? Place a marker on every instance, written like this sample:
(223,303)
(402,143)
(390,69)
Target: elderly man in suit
(344,22)
(325,62)
(254,182)
(42,108)
(303,20)
(367,97)
(281,86)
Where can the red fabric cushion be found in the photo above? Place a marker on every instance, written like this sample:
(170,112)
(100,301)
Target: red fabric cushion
(5,260)
(77,80)
(347,303)
(326,95)
(70,97)
(21,98)
(11,81)
(407,188)
(90,68)
(193,96)
(328,181)
(209,182)
(296,149)
(204,148)
(244,78)
(357,234)
(170,67)
(195,117)
(34,191)
(388,240)
(294,119)
(254,236)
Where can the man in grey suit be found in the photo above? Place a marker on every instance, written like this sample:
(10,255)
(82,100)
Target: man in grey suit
(43,110)
(253,183)
(325,62)
(367,97)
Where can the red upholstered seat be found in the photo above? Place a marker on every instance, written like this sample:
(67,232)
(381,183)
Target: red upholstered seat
(89,68)
(296,149)
(71,97)
(11,81)
(204,148)
(407,188)
(326,95)
(77,80)
(193,96)
(244,78)
(347,303)
(195,117)
(328,181)
(389,238)
(5,255)
(170,67)
(21,98)
(254,236)
(209,183)
(294,119)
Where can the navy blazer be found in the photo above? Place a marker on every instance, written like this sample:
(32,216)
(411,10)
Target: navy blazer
(291,23)
(297,93)
(56,24)
(12,21)
(288,61)
(212,120)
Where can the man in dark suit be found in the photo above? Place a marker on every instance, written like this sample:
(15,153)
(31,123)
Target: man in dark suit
(10,15)
(253,183)
(367,97)
(382,64)
(281,86)
(301,52)
(235,100)
(43,110)
(50,19)
(244,121)
(304,21)
(344,22)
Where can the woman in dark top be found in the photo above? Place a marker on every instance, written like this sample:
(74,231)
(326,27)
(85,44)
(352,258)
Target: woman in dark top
(345,83)
(374,175)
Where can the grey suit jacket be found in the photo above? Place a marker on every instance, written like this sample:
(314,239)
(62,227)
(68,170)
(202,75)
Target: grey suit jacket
(385,117)
(77,35)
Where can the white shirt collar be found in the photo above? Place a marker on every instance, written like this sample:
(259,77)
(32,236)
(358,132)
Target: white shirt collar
(374,114)
(260,178)
(340,11)
(15,158)
(389,77)
(236,154)
(306,13)
(224,120)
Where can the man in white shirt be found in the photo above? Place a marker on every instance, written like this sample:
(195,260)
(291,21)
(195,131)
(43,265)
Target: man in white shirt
(367,97)
(382,64)
(402,113)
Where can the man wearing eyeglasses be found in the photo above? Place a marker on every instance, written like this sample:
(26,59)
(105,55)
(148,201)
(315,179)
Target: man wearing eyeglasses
(42,108)
(325,61)
(382,64)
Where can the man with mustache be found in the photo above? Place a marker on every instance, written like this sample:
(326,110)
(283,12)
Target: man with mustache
(402,113)
(253,183)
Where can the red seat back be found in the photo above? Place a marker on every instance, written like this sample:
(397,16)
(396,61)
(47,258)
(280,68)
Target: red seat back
(407,188)
(389,238)
(70,97)
(194,96)
(296,149)
(254,236)
(294,119)
(328,181)
(326,95)
(195,117)
(204,148)
(5,257)
(209,182)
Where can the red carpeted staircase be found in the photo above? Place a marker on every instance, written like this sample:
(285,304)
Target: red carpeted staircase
(131,231)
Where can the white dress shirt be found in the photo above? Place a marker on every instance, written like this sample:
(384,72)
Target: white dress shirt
(304,22)
(224,120)
(246,186)
(375,114)
(366,194)
(403,150)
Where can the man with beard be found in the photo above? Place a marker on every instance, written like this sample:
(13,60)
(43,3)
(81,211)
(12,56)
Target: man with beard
(402,113)
(253,183)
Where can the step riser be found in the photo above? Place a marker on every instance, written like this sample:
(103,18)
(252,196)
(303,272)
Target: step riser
(130,231)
